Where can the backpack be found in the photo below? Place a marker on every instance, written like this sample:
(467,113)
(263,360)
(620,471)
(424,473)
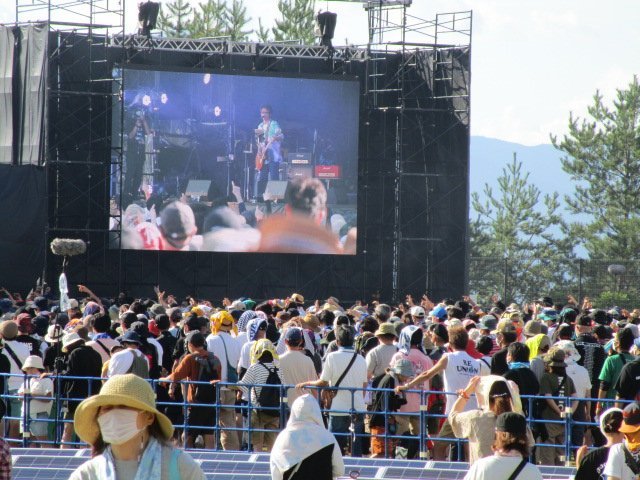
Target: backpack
(139,365)
(270,396)
(205,392)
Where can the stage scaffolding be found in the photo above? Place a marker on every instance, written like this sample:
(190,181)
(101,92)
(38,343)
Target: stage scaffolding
(426,88)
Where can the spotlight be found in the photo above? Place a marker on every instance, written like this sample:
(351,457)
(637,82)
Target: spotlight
(147,17)
(164,98)
(217,111)
(146,100)
(327,23)
(206,79)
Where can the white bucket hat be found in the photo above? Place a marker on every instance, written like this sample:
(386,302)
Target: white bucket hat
(33,361)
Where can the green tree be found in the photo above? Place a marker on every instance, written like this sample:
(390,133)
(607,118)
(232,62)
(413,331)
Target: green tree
(515,228)
(297,21)
(236,19)
(209,20)
(603,158)
(175,20)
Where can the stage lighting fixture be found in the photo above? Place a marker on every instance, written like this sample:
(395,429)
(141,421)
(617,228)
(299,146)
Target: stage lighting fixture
(147,17)
(164,98)
(217,111)
(146,100)
(206,79)
(327,24)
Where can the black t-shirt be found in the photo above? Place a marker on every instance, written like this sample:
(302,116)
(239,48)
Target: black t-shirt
(628,383)
(5,367)
(50,355)
(592,465)
(592,357)
(527,384)
(168,343)
(32,343)
(499,362)
(83,362)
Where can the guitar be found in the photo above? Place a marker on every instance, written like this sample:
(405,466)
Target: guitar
(262,153)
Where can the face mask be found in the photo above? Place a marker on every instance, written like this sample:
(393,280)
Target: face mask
(119,425)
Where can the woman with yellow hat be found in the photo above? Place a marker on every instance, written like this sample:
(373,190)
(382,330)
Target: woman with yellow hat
(129,437)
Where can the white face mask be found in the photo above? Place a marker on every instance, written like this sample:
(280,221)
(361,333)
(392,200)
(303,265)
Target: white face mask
(119,425)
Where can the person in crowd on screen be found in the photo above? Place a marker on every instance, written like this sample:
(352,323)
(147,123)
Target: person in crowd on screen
(511,449)
(177,227)
(305,449)
(623,459)
(38,408)
(591,464)
(129,437)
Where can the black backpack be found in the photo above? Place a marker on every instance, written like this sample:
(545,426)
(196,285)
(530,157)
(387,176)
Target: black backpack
(205,392)
(270,396)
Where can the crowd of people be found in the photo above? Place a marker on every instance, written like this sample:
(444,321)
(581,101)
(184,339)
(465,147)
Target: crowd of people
(547,382)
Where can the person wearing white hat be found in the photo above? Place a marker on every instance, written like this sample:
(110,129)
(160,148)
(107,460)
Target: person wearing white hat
(34,405)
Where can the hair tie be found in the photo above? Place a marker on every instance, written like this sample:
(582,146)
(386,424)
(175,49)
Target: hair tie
(505,394)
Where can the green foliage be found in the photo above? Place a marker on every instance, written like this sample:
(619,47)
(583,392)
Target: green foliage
(213,18)
(297,21)
(516,224)
(603,158)
(610,298)
(175,20)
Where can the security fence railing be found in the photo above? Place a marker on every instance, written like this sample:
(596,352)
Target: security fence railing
(607,282)
(353,435)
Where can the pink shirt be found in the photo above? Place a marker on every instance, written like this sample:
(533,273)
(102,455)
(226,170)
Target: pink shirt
(421,363)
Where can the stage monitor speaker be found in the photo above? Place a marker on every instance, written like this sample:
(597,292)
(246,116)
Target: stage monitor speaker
(197,188)
(299,158)
(275,189)
(300,171)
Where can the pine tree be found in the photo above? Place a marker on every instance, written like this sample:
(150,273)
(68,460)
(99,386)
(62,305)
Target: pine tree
(209,20)
(262,33)
(236,19)
(175,20)
(297,22)
(518,225)
(603,157)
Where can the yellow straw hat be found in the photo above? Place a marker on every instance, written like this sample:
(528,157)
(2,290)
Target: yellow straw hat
(120,390)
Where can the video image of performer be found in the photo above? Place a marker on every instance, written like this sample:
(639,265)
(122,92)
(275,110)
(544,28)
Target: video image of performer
(236,163)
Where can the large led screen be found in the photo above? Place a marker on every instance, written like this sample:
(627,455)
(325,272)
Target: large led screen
(235,163)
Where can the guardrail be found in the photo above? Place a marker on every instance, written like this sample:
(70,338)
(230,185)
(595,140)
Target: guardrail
(248,409)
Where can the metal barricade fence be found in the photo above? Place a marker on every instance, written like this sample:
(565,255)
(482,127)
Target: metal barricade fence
(60,401)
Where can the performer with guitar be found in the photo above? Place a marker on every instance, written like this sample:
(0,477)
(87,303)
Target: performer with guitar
(269,139)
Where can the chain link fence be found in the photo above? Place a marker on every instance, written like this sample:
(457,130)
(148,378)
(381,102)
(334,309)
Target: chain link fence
(606,282)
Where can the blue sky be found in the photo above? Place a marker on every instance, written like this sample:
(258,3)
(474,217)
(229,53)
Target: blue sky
(533,61)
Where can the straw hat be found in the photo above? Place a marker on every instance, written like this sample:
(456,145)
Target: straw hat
(120,390)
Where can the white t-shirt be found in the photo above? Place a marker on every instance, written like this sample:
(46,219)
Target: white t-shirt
(296,368)
(245,355)
(616,465)
(379,358)
(461,367)
(121,362)
(335,364)
(581,380)
(501,467)
(108,343)
(215,346)
(38,387)
(22,351)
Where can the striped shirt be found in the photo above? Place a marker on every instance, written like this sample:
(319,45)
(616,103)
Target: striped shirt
(257,374)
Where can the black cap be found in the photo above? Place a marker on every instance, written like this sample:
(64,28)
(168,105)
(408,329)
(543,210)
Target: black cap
(511,422)
(131,337)
(546,301)
(441,331)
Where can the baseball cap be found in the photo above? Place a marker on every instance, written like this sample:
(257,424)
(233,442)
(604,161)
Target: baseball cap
(548,314)
(293,336)
(438,312)
(417,311)
(177,221)
(511,422)
(403,367)
(630,418)
(488,322)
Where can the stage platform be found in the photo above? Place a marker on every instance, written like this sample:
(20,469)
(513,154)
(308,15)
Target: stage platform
(52,464)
